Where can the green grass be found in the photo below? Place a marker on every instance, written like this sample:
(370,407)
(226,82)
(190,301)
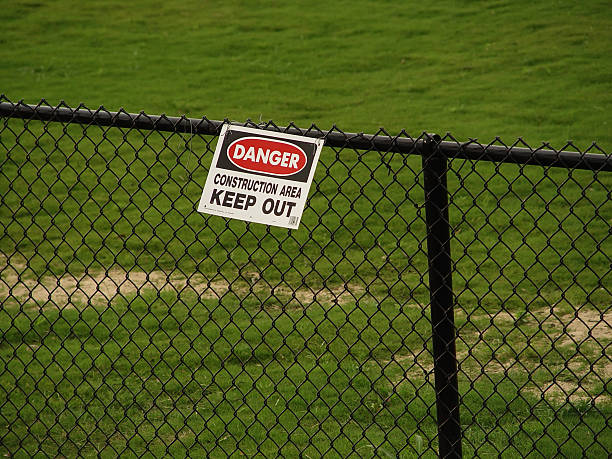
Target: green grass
(121,200)
(255,378)
(284,361)
(263,355)
(540,70)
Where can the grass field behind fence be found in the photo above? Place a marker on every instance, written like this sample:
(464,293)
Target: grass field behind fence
(190,374)
(309,336)
(482,69)
(342,300)
(102,201)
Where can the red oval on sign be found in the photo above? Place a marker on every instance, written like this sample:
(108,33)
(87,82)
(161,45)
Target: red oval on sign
(268,156)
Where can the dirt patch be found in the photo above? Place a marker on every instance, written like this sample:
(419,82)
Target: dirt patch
(560,392)
(101,288)
(583,323)
(565,355)
(413,369)
(561,354)
(588,322)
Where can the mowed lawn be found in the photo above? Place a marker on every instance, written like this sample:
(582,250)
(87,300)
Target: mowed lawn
(539,70)
(130,322)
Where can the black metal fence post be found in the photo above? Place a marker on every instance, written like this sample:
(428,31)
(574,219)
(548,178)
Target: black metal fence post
(441,294)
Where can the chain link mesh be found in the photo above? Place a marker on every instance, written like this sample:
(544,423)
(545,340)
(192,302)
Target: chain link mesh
(131,324)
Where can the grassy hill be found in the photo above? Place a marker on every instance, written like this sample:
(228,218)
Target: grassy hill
(541,70)
(129,322)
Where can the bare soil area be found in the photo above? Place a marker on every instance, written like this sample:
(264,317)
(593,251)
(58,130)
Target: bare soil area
(102,287)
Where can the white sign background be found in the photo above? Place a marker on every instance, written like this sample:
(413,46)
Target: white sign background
(256,196)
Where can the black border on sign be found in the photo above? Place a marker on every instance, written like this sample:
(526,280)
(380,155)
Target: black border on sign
(234,133)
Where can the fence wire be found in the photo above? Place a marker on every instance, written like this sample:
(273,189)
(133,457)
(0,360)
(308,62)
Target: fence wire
(131,324)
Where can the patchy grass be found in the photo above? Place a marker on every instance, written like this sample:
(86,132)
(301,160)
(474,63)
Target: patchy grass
(130,322)
(165,371)
(183,312)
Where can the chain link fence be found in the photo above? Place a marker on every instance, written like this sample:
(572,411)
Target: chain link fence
(132,325)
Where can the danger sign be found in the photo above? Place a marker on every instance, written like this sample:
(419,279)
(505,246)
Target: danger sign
(260,176)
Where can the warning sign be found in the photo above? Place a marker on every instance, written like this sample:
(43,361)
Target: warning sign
(260,176)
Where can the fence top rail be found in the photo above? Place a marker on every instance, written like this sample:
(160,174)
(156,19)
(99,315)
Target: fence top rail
(593,158)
